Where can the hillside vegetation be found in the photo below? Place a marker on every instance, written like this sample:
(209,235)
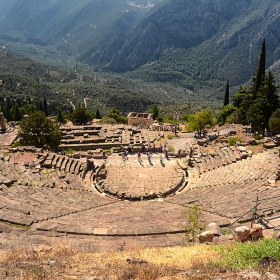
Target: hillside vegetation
(195,45)
(24,79)
(132,54)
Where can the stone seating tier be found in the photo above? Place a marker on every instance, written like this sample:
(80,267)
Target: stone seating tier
(55,200)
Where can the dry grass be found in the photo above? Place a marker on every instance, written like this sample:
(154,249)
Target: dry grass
(163,263)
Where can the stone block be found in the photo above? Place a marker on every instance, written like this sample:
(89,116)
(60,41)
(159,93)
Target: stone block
(100,231)
(257,231)
(214,228)
(242,233)
(206,236)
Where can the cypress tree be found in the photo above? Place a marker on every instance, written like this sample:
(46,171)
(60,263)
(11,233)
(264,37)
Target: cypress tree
(41,107)
(97,115)
(226,99)
(260,73)
(45,106)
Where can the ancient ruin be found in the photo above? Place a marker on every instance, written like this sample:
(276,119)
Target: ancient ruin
(139,119)
(3,126)
(95,197)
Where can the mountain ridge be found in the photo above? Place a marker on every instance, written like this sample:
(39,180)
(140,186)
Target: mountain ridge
(192,44)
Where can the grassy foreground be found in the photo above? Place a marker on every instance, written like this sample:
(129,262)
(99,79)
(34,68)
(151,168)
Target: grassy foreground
(194,262)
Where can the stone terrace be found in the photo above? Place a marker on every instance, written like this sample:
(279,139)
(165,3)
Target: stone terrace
(49,195)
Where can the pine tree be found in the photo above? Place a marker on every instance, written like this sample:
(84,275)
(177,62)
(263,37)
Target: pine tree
(226,99)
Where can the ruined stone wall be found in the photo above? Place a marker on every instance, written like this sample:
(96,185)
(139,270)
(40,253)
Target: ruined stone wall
(139,118)
(139,121)
(2,122)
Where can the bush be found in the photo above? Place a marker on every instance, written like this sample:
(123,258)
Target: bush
(245,255)
(16,144)
(194,226)
(171,149)
(107,120)
(80,116)
(258,137)
(69,151)
(233,140)
(170,136)
(159,119)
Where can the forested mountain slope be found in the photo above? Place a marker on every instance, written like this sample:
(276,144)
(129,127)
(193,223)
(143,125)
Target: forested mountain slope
(195,45)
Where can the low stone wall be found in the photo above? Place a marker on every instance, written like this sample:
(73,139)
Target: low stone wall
(139,121)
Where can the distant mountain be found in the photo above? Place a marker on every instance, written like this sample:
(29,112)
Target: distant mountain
(5,8)
(228,33)
(70,24)
(194,44)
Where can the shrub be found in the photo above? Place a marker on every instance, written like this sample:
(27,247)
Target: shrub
(233,140)
(244,255)
(194,226)
(170,136)
(171,149)
(16,144)
(159,119)
(258,137)
(107,120)
(69,151)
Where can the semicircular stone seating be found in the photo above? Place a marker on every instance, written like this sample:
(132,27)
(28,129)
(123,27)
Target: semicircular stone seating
(55,193)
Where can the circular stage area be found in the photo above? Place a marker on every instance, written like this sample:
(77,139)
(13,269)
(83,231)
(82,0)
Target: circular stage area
(140,180)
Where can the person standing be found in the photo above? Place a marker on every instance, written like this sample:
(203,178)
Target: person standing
(179,154)
(161,159)
(125,154)
(139,157)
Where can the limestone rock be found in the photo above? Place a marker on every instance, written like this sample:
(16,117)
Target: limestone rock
(214,228)
(271,276)
(242,233)
(42,248)
(269,145)
(271,182)
(267,261)
(250,153)
(242,148)
(249,274)
(136,261)
(206,236)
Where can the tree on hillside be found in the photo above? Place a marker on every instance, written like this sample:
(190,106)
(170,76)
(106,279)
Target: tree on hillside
(15,113)
(115,114)
(45,106)
(97,115)
(274,122)
(260,73)
(27,109)
(39,131)
(226,99)
(225,113)
(200,120)
(256,105)
(60,116)
(265,103)
(80,116)
(155,111)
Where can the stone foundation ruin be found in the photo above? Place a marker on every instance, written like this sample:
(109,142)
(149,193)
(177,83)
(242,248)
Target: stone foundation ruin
(139,118)
(2,122)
